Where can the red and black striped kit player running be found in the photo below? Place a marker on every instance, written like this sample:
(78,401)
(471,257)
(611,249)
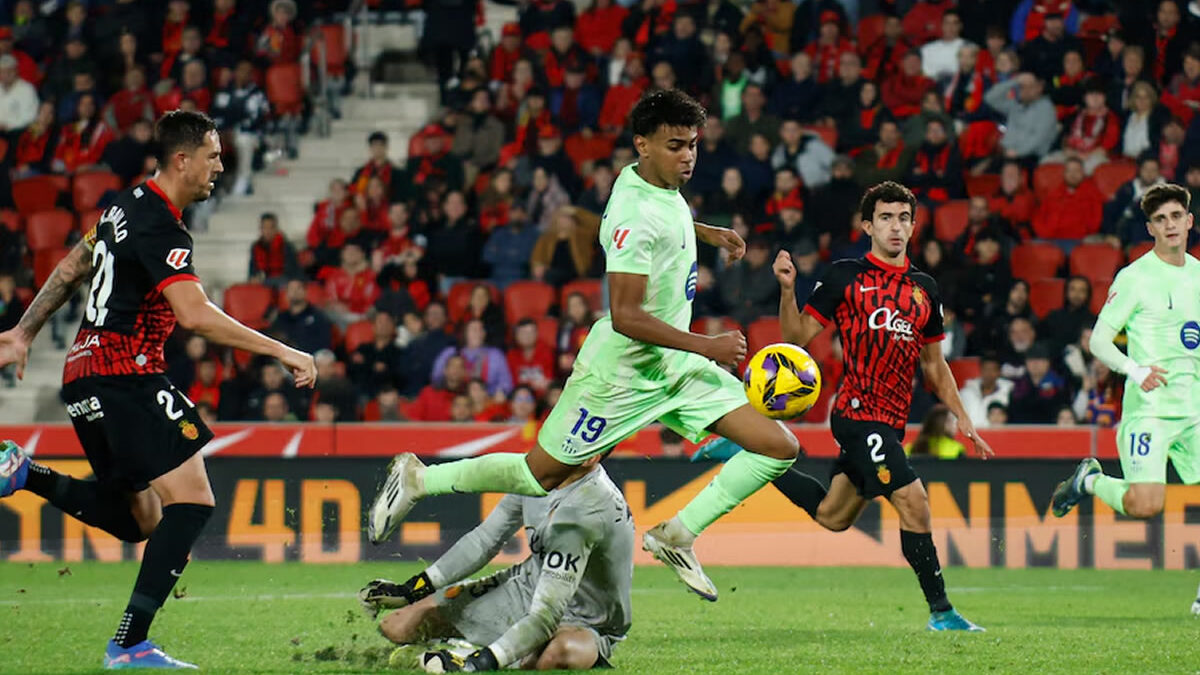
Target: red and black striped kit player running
(141,435)
(888,317)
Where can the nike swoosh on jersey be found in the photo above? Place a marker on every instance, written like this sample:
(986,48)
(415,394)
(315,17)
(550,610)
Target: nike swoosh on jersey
(865,289)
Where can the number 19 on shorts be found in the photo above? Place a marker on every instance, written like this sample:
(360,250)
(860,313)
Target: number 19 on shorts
(588,427)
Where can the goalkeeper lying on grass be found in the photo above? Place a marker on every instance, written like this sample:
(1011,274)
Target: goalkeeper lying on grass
(563,607)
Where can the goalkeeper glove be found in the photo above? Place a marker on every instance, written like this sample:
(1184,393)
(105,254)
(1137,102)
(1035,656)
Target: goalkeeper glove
(445,661)
(384,594)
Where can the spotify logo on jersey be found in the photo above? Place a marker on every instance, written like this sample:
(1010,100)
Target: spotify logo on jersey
(690,289)
(1189,335)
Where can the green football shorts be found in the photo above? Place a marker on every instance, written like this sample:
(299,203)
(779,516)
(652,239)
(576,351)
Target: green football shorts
(1145,444)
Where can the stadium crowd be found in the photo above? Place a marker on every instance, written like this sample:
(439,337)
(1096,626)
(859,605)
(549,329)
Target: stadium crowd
(459,285)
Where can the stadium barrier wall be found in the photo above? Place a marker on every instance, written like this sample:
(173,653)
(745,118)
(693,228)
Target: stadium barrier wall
(985,514)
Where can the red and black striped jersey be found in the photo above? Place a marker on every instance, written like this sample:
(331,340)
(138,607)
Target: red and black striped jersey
(139,247)
(884,314)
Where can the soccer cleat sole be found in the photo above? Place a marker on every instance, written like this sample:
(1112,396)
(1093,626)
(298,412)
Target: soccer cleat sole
(665,554)
(391,505)
(1070,492)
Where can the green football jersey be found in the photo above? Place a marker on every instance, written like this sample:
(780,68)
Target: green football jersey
(646,230)
(1158,305)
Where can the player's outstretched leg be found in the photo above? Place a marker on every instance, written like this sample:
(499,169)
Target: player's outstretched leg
(1079,485)
(89,501)
(409,481)
(771,450)
(187,505)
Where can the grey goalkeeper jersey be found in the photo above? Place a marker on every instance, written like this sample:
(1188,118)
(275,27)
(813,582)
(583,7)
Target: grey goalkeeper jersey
(580,570)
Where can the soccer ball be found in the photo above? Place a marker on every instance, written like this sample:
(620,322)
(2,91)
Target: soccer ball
(782,381)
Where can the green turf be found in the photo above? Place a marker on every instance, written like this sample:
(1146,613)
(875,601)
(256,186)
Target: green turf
(249,617)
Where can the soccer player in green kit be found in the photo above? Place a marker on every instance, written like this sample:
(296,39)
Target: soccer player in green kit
(1156,300)
(639,364)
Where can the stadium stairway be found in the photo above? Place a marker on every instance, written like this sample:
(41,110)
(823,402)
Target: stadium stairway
(287,188)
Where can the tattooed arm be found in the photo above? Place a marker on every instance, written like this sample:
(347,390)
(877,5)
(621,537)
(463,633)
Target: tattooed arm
(66,278)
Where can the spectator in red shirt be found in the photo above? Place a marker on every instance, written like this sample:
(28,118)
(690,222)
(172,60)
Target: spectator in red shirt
(1013,201)
(1073,210)
(81,143)
(279,43)
(327,213)
(193,86)
(1092,133)
(373,206)
(902,92)
(563,53)
(351,288)
(531,361)
(378,166)
(962,92)
(134,102)
(599,26)
(207,386)
(882,57)
(936,172)
(272,258)
(827,50)
(506,55)
(1182,95)
(35,146)
(620,98)
(400,247)
(433,403)
(923,21)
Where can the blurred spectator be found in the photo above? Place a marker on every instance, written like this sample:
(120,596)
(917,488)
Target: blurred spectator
(424,348)
(546,197)
(831,207)
(81,143)
(275,408)
(1143,121)
(327,214)
(985,279)
(373,207)
(128,156)
(228,32)
(325,413)
(522,406)
(30,30)
(963,91)
(992,331)
(240,111)
(350,288)
(887,159)
(718,157)
(1030,120)
(939,57)
(1174,150)
(937,436)
(686,54)
(132,103)
(937,170)
(576,320)
(302,326)
(205,411)
(621,96)
(402,289)
(454,244)
(1072,210)
(827,50)
(279,43)
(1020,339)
(478,138)
(787,189)
(776,17)
(191,50)
(400,247)
(752,120)
(497,200)
(18,99)
(1043,55)
(708,297)
(60,76)
(980,220)
(435,162)
(799,96)
(480,306)
(207,386)
(1092,133)
(981,393)
(934,261)
(1063,326)
(756,171)
(506,55)
(809,269)
(377,364)
(385,408)
(997,415)
(1040,393)
(804,152)
(1067,87)
(748,286)
(509,248)
(460,409)
(1013,201)
(482,361)
(841,96)
(350,231)
(273,382)
(1182,95)
(272,258)
(1124,221)
(923,20)
(11,310)
(789,228)
(1065,417)
(730,86)
(860,128)
(576,104)
(379,166)
(181,369)
(567,250)
(1171,37)
(551,157)
(563,54)
(882,57)
(530,361)
(1099,399)
(595,198)
(902,91)
(332,389)
(484,407)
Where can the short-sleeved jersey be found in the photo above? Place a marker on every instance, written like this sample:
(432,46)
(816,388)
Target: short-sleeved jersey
(645,230)
(884,314)
(139,247)
(1158,305)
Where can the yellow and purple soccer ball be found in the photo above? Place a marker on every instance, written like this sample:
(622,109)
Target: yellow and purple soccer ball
(782,381)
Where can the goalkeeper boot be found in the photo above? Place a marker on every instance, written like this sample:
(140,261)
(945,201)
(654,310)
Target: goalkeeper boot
(718,449)
(144,654)
(1070,492)
(952,620)
(401,491)
(14,468)
(681,559)
(447,661)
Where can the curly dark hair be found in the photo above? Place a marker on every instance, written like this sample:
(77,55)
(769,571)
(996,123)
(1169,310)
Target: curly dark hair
(665,108)
(888,192)
(1162,193)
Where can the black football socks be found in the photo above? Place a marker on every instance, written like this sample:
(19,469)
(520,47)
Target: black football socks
(921,554)
(802,489)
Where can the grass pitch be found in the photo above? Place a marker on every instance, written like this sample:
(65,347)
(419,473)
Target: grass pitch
(242,617)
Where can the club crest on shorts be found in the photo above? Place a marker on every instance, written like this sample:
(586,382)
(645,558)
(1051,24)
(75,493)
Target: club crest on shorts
(189,430)
(885,476)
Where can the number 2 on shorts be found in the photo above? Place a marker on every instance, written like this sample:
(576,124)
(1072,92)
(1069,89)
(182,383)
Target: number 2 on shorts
(591,426)
(875,443)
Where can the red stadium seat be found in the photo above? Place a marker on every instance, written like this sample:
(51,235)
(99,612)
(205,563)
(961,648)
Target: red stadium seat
(592,289)
(1110,176)
(1099,294)
(359,333)
(44,262)
(763,332)
(548,332)
(459,298)
(10,219)
(984,185)
(1036,260)
(249,304)
(950,220)
(964,369)
(334,37)
(49,229)
(1096,261)
(1138,250)
(870,29)
(88,219)
(527,300)
(89,187)
(1046,178)
(39,193)
(1046,295)
(285,90)
(314,291)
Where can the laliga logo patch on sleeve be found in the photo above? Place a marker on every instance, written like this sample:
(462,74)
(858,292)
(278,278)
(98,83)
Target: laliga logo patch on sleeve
(177,258)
